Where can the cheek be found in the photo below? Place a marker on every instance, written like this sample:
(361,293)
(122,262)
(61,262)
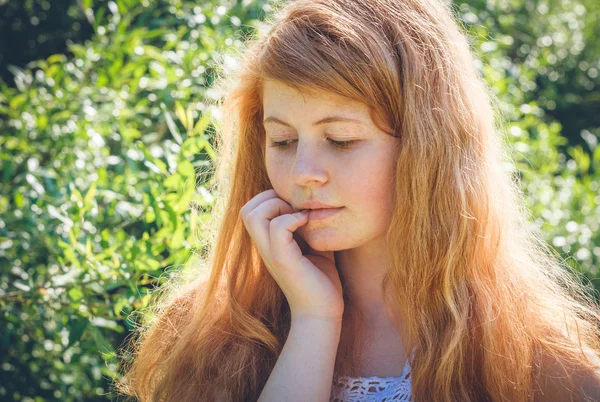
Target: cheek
(277,172)
(377,196)
(373,189)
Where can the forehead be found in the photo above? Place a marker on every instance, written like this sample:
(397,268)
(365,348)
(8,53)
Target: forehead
(278,96)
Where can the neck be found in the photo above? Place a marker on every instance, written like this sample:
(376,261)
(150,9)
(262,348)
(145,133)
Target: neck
(362,270)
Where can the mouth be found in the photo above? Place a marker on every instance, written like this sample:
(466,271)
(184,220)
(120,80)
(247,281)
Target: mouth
(323,213)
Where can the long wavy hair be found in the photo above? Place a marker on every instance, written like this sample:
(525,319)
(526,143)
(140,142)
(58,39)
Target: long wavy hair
(482,297)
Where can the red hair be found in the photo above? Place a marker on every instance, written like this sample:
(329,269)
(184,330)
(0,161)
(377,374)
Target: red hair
(481,296)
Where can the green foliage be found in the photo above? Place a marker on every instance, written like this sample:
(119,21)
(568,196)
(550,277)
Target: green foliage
(105,179)
(548,52)
(106,159)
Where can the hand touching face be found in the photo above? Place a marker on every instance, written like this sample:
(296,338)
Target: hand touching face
(326,148)
(309,279)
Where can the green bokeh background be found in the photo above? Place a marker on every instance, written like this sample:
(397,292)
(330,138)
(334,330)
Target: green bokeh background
(106,139)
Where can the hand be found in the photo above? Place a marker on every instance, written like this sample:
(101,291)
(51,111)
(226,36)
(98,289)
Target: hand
(309,279)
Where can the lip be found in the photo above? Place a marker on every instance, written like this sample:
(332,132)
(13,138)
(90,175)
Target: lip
(323,213)
(316,205)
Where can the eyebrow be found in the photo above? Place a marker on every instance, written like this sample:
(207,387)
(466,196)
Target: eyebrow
(329,119)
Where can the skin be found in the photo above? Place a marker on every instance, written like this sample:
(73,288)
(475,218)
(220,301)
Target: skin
(358,178)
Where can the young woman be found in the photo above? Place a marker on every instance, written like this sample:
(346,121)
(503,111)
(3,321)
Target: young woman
(368,243)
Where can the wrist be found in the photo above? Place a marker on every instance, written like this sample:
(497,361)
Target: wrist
(317,322)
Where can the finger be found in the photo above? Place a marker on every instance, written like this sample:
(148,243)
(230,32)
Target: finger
(256,201)
(269,209)
(284,248)
(258,220)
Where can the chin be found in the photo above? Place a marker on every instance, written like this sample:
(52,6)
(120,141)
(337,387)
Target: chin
(322,241)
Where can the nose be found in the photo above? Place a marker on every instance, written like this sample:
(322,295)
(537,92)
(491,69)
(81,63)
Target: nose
(308,165)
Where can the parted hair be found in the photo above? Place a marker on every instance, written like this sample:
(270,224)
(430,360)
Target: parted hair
(482,297)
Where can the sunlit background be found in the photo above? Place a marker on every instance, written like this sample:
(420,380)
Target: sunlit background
(106,138)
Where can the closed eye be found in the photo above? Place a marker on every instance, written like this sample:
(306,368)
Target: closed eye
(338,144)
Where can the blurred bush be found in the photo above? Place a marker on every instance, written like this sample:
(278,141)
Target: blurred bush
(549,51)
(103,176)
(106,157)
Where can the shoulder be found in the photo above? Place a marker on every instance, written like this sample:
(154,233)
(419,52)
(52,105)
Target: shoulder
(554,383)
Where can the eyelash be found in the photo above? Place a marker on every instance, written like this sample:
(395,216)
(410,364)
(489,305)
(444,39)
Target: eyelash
(338,144)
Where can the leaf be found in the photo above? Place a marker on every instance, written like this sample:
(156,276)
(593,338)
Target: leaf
(186,169)
(210,151)
(75,294)
(192,146)
(109,286)
(19,200)
(119,306)
(7,170)
(175,181)
(184,202)
(172,215)
(156,209)
(201,125)
(597,155)
(190,120)
(171,124)
(57,58)
(148,264)
(177,237)
(76,196)
(42,122)
(181,115)
(89,196)
(580,157)
(102,344)
(68,252)
(77,327)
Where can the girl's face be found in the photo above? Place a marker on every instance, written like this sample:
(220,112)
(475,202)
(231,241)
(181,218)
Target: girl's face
(309,166)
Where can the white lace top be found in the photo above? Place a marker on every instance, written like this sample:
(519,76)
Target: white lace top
(372,389)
